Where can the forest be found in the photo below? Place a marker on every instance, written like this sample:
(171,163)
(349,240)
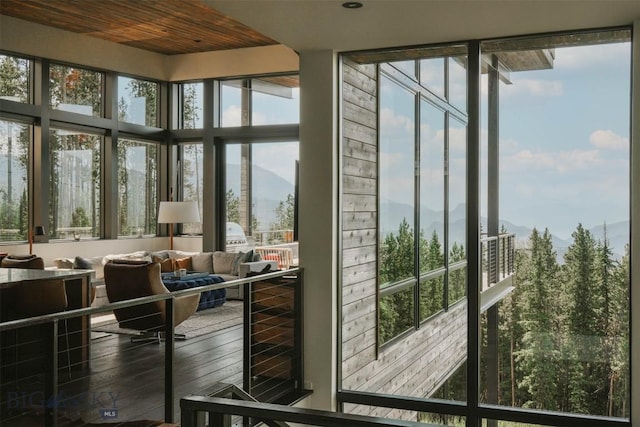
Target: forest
(563,340)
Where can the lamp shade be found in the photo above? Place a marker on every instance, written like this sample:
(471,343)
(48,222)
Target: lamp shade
(38,230)
(178,212)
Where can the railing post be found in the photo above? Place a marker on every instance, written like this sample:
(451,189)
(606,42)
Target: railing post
(51,374)
(168,361)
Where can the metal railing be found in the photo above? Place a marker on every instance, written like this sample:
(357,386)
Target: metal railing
(120,380)
(218,412)
(498,258)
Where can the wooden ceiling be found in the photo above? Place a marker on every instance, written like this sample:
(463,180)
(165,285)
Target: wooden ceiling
(164,26)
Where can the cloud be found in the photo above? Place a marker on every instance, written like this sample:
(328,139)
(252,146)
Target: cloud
(232,116)
(561,162)
(395,124)
(608,140)
(583,56)
(532,87)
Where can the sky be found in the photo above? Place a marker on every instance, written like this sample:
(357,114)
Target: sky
(564,142)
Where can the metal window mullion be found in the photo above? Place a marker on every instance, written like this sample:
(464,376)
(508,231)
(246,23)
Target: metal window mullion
(416,207)
(445,294)
(473,234)
(40,182)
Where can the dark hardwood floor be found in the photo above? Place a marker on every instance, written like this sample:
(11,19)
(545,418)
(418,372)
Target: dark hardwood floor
(125,380)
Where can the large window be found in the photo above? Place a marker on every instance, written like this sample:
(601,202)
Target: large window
(137,187)
(137,101)
(563,149)
(74,196)
(14,73)
(264,101)
(503,268)
(429,221)
(192,182)
(14,157)
(76,90)
(191,106)
(260,193)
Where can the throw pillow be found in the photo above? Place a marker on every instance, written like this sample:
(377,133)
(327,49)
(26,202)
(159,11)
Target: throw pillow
(94,264)
(80,263)
(166,264)
(203,262)
(185,263)
(63,263)
(242,257)
(223,262)
(236,262)
(256,257)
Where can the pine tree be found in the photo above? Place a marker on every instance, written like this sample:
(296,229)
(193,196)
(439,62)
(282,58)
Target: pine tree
(538,356)
(582,322)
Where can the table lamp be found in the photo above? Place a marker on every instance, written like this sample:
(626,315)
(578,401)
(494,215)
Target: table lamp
(175,213)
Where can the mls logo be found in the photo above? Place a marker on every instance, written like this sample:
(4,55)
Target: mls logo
(109,414)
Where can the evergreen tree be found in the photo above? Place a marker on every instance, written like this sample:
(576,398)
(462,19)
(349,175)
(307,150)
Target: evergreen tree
(582,322)
(619,387)
(396,263)
(538,355)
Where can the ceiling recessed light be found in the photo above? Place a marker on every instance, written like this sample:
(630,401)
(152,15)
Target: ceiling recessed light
(352,5)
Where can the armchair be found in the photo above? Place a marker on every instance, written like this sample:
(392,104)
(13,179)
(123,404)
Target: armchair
(130,280)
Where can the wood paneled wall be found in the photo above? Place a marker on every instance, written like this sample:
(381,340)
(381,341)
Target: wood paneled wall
(421,362)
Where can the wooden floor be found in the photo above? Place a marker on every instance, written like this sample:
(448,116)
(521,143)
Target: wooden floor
(125,380)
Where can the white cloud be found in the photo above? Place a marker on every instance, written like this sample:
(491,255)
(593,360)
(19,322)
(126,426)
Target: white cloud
(392,123)
(583,56)
(562,162)
(389,161)
(232,116)
(608,140)
(532,87)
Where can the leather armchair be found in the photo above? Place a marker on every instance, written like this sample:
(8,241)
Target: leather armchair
(128,280)
(22,261)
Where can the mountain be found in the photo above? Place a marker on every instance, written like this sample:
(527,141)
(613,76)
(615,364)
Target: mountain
(268,190)
(394,213)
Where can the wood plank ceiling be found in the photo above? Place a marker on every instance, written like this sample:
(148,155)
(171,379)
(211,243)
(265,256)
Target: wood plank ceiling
(169,27)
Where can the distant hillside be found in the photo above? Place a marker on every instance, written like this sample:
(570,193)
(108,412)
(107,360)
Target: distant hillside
(394,213)
(268,190)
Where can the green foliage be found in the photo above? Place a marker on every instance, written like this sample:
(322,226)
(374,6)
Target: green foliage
(284,214)
(397,255)
(564,331)
(79,218)
(233,207)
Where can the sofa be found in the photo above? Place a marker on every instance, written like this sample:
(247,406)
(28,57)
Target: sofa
(228,265)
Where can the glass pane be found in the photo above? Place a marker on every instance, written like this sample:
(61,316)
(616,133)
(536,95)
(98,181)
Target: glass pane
(14,75)
(431,187)
(234,113)
(457,187)
(137,101)
(253,175)
(76,90)
(432,75)
(14,158)
(458,82)
(137,187)
(275,100)
(456,284)
(431,297)
(273,191)
(192,105)
(407,67)
(74,202)
(396,314)
(564,189)
(192,176)
(396,182)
